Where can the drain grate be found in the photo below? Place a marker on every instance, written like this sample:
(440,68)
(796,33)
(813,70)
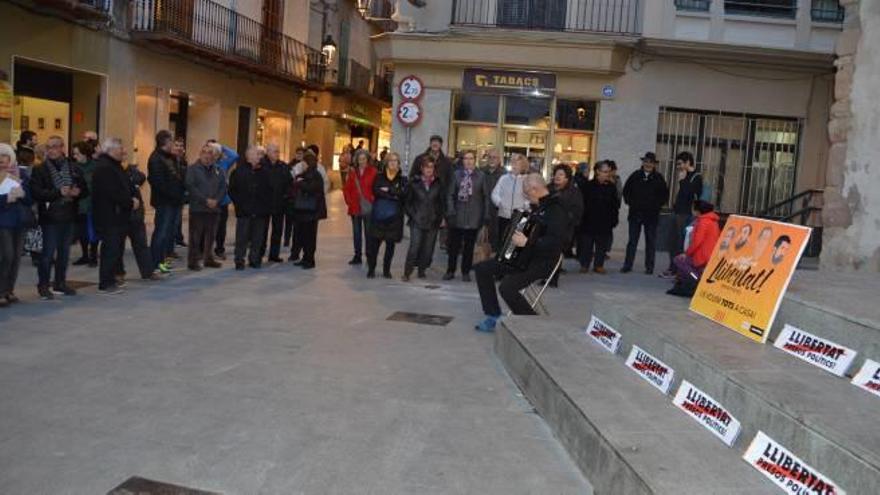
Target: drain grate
(142,486)
(420,318)
(433,287)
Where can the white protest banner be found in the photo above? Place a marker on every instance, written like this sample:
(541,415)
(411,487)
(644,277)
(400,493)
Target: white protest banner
(650,368)
(606,336)
(823,353)
(788,472)
(868,378)
(707,411)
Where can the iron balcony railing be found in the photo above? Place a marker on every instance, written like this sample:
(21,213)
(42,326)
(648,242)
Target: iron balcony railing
(693,5)
(377,9)
(360,79)
(210,28)
(597,16)
(766,8)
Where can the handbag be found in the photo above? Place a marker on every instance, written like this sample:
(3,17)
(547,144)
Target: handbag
(366,206)
(33,240)
(385,209)
(305,202)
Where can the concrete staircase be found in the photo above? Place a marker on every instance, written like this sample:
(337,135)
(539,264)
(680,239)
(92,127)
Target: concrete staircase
(628,438)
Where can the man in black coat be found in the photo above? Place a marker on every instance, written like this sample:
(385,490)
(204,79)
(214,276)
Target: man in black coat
(600,212)
(645,192)
(443,166)
(112,202)
(250,187)
(279,172)
(544,250)
(136,231)
(57,185)
(690,188)
(166,195)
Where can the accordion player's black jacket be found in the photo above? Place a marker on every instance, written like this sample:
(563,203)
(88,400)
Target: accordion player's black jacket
(551,230)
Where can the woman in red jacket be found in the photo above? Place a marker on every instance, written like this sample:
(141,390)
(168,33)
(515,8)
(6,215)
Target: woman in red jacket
(690,264)
(358,193)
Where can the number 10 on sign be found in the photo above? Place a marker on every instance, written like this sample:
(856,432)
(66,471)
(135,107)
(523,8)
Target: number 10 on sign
(409,113)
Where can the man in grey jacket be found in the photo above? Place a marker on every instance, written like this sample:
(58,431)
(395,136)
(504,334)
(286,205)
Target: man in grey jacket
(206,185)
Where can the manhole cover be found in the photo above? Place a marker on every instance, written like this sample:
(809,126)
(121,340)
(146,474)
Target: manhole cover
(141,486)
(420,318)
(433,287)
(80,284)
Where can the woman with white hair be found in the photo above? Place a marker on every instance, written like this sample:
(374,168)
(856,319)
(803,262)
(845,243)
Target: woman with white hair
(15,204)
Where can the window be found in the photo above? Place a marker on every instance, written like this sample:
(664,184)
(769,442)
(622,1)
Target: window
(576,114)
(827,11)
(768,8)
(751,162)
(530,112)
(693,5)
(575,123)
(476,137)
(476,108)
(532,14)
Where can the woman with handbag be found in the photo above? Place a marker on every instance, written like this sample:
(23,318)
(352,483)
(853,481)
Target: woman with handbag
(308,208)
(386,220)
(15,214)
(358,193)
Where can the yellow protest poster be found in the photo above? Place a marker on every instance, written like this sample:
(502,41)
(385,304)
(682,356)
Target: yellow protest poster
(751,266)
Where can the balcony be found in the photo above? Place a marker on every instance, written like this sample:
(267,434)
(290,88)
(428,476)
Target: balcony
(592,16)
(80,9)
(207,29)
(785,9)
(361,80)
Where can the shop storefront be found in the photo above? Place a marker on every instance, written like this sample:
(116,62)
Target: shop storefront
(519,112)
(334,121)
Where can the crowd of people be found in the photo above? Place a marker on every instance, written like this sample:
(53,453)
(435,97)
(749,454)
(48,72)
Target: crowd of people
(465,205)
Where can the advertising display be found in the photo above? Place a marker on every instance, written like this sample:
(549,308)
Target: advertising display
(604,335)
(750,269)
(786,470)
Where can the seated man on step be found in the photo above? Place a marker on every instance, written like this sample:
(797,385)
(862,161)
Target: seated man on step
(541,249)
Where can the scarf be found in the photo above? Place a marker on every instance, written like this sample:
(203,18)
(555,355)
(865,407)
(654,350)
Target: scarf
(60,177)
(466,186)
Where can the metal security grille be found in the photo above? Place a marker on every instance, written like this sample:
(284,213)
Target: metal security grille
(750,162)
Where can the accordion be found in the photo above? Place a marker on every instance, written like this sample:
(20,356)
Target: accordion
(512,255)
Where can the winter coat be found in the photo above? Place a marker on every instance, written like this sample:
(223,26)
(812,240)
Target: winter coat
(350,189)
(251,190)
(491,177)
(466,214)
(136,179)
(203,183)
(507,195)
(391,190)
(645,193)
(52,207)
(281,179)
(13,215)
(601,208)
(310,183)
(88,168)
(166,179)
(300,167)
(111,195)
(573,202)
(226,161)
(425,206)
(551,228)
(690,188)
(705,236)
(444,169)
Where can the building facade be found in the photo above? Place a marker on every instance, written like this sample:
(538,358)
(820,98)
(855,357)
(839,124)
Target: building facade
(242,72)
(745,86)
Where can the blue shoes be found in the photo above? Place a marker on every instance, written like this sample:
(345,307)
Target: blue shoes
(488,325)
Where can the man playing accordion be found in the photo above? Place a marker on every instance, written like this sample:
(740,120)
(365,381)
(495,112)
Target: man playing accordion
(533,257)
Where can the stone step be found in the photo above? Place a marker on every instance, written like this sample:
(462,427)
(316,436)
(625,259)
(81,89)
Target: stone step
(824,420)
(624,435)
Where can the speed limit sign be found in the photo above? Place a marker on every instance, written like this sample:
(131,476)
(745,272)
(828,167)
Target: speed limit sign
(411,88)
(409,113)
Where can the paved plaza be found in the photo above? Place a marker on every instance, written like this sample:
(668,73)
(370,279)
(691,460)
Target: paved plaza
(278,381)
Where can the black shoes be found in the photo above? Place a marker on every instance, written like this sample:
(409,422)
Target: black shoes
(371,274)
(307,265)
(422,274)
(81,262)
(45,293)
(63,290)
(195,268)
(256,266)
(275,259)
(465,277)
(239,265)
(626,269)
(213,264)
(355,261)
(448,276)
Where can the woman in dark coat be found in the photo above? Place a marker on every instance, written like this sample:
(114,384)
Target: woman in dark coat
(570,196)
(425,204)
(309,207)
(386,224)
(465,211)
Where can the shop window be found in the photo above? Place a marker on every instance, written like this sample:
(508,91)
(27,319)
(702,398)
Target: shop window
(576,115)
(529,143)
(573,148)
(274,128)
(476,108)
(530,112)
(475,137)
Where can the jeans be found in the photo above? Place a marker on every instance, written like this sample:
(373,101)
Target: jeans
(509,288)
(637,222)
(592,248)
(178,229)
(288,228)
(249,237)
(307,233)
(137,234)
(202,231)
(56,250)
(165,225)
(421,248)
(373,245)
(220,236)
(11,242)
(503,224)
(273,243)
(461,241)
(358,225)
(88,247)
(676,236)
(112,242)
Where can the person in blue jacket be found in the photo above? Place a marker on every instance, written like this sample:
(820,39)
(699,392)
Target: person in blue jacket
(224,163)
(15,212)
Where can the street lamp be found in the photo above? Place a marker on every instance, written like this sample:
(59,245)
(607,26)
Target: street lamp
(328,47)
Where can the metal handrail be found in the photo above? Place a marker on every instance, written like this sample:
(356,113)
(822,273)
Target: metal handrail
(791,200)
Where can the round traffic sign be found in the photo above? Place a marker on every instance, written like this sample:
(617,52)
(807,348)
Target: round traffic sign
(411,88)
(409,113)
